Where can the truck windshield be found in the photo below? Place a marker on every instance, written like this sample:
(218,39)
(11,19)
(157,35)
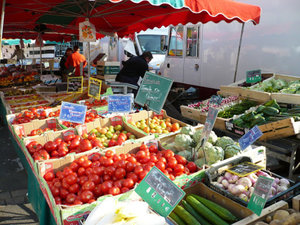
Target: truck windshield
(153,43)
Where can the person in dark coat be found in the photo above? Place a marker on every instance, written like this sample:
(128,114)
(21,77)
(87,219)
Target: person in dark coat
(63,69)
(134,68)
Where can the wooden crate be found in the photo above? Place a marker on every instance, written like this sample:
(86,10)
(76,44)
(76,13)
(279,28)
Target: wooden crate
(275,130)
(260,96)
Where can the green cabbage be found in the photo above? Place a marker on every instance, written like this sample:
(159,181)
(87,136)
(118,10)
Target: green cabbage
(183,141)
(231,150)
(224,141)
(212,136)
(214,155)
(207,146)
(189,130)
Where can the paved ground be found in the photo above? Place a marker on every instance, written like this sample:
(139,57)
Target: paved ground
(14,205)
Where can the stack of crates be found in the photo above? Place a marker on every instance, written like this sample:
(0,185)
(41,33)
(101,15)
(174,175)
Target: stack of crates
(108,71)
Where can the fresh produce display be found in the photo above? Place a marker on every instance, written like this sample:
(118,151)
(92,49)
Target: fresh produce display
(198,210)
(23,99)
(88,178)
(281,217)
(114,212)
(16,92)
(215,149)
(95,103)
(157,124)
(278,85)
(14,76)
(38,131)
(237,109)
(61,147)
(110,136)
(203,106)
(243,187)
(267,113)
(39,113)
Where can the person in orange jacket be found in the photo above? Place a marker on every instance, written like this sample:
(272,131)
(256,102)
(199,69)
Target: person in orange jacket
(74,60)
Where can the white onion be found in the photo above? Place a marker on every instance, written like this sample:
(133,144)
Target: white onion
(233,179)
(228,175)
(281,188)
(284,182)
(225,183)
(245,181)
(237,189)
(220,179)
(244,197)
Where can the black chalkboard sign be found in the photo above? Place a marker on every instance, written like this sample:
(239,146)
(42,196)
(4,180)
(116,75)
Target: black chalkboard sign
(94,88)
(244,169)
(75,84)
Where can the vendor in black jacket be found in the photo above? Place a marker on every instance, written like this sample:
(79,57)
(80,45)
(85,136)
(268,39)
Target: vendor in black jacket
(134,68)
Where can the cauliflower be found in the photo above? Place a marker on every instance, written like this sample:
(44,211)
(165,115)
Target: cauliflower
(189,130)
(224,141)
(214,154)
(186,154)
(231,150)
(212,137)
(183,141)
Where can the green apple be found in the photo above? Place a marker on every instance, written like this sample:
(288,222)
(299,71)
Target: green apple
(102,135)
(93,131)
(109,134)
(124,131)
(105,144)
(163,125)
(111,129)
(132,137)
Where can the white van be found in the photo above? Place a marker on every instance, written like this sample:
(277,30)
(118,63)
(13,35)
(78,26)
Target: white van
(206,54)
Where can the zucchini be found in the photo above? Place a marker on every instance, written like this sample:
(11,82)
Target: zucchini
(185,216)
(260,108)
(205,212)
(272,103)
(177,219)
(270,111)
(192,211)
(219,210)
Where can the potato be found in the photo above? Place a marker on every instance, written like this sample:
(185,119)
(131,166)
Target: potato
(291,211)
(269,219)
(293,219)
(276,222)
(280,214)
(261,223)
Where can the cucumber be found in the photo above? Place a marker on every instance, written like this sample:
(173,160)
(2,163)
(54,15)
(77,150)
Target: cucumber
(219,210)
(270,111)
(185,216)
(205,212)
(177,219)
(192,211)
(260,108)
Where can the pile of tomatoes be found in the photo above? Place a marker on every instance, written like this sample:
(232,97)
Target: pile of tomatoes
(61,147)
(40,131)
(95,103)
(33,114)
(88,178)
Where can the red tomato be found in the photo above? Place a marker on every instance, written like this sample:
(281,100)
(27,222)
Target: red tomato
(86,196)
(49,176)
(133,176)
(114,191)
(69,137)
(119,183)
(130,166)
(74,188)
(109,153)
(81,171)
(138,169)
(131,159)
(74,143)
(112,143)
(97,191)
(107,162)
(178,169)
(172,162)
(168,153)
(116,158)
(74,166)
(121,164)
(50,146)
(153,149)
(83,179)
(180,159)
(81,160)
(106,185)
(160,165)
(141,155)
(120,173)
(85,145)
(192,167)
(110,170)
(97,143)
(63,193)
(87,163)
(143,147)
(143,174)
(124,189)
(99,170)
(128,182)
(88,186)
(58,141)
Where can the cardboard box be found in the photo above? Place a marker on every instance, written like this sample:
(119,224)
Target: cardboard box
(143,115)
(23,130)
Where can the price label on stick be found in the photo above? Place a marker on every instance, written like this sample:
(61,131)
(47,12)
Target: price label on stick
(159,192)
(94,88)
(120,103)
(250,137)
(75,84)
(72,112)
(216,99)
(208,126)
(253,76)
(260,194)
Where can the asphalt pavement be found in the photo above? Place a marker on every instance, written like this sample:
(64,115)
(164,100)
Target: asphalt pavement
(14,205)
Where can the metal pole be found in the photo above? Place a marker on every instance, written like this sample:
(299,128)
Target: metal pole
(41,65)
(1,26)
(238,55)
(89,57)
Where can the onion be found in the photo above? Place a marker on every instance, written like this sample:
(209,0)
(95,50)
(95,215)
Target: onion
(233,179)
(276,180)
(281,188)
(230,186)
(245,181)
(237,189)
(220,179)
(284,182)
(273,191)
(228,175)
(225,183)
(251,189)
(253,178)
(243,197)
(274,184)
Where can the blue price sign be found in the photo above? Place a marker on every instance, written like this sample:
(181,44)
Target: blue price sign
(120,103)
(250,137)
(72,112)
